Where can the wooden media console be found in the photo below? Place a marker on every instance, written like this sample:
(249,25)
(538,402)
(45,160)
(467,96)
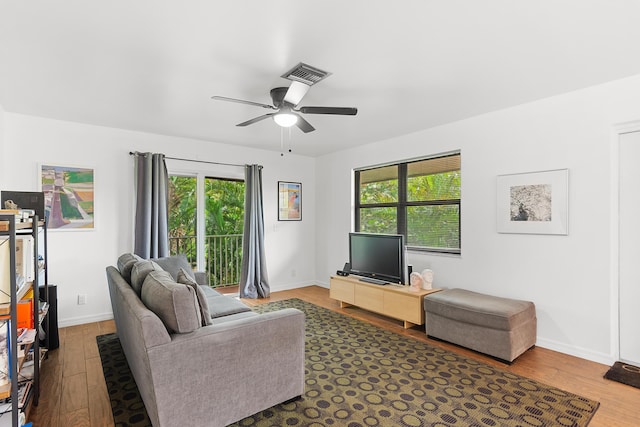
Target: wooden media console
(391,300)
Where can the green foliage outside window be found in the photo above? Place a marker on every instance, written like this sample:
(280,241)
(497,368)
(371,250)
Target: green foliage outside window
(427,212)
(378,220)
(182,206)
(224,206)
(440,186)
(224,221)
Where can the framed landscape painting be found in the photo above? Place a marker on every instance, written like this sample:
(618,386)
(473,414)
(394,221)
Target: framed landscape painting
(68,197)
(289,201)
(533,203)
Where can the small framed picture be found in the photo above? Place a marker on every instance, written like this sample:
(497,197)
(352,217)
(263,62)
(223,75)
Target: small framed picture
(289,201)
(533,203)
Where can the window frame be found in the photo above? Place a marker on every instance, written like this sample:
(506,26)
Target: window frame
(402,204)
(201,173)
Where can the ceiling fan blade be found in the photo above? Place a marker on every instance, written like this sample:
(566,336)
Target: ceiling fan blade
(342,111)
(255,120)
(240,101)
(304,125)
(296,92)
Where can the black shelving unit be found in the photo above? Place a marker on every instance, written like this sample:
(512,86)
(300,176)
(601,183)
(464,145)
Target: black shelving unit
(18,229)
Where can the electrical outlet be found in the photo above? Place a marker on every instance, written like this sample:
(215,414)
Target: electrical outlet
(293,272)
(82,299)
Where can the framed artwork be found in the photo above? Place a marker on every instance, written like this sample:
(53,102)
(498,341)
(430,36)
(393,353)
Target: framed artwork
(533,203)
(68,197)
(289,201)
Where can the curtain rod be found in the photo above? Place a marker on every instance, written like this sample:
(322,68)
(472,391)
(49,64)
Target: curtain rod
(135,153)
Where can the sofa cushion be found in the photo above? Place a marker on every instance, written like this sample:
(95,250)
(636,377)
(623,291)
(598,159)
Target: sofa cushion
(174,303)
(174,263)
(222,305)
(237,316)
(210,292)
(139,273)
(185,279)
(126,263)
(479,309)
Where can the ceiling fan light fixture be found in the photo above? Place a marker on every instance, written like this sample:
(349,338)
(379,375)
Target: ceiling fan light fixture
(286,119)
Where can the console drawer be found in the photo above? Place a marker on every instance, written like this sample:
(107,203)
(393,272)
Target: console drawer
(370,298)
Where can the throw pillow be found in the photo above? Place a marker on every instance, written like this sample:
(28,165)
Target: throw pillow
(125,264)
(173,264)
(174,303)
(185,279)
(139,273)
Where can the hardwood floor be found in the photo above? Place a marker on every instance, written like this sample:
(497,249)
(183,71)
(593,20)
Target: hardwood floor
(74,392)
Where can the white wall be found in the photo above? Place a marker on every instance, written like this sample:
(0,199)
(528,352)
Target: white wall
(568,277)
(2,156)
(77,259)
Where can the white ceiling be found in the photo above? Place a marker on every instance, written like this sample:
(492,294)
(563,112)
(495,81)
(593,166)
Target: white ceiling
(152,65)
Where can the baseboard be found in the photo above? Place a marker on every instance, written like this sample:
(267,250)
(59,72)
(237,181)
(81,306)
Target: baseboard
(74,321)
(323,284)
(583,353)
(290,286)
(605,359)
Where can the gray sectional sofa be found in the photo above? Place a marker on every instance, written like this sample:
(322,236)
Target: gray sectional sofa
(200,358)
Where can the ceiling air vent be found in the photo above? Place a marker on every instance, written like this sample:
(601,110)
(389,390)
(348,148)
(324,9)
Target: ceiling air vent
(306,74)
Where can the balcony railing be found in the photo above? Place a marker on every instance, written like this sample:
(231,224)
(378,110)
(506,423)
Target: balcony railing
(223,256)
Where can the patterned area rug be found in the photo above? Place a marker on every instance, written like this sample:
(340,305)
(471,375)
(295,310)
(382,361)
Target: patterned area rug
(360,375)
(126,404)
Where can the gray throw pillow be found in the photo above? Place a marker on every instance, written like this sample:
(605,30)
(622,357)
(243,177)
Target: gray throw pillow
(125,264)
(173,264)
(174,303)
(185,279)
(139,273)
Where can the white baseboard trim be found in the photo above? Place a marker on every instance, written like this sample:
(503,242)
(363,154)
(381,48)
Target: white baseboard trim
(74,321)
(290,286)
(605,359)
(323,284)
(583,353)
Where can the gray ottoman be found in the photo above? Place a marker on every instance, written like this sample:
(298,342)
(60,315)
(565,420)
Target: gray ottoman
(500,327)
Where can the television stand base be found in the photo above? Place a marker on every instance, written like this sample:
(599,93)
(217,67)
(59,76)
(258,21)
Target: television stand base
(374,281)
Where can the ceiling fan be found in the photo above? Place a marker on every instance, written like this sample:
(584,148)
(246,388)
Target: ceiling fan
(286,112)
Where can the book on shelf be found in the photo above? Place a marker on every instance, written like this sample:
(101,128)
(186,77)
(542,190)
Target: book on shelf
(5,267)
(21,215)
(5,277)
(28,336)
(25,313)
(26,370)
(24,393)
(4,355)
(24,257)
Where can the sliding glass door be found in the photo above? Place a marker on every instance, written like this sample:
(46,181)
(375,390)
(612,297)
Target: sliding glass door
(206,216)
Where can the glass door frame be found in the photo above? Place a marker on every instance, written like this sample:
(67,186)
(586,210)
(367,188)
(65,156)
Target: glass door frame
(202,171)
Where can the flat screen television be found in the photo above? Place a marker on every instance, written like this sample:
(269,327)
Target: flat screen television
(380,256)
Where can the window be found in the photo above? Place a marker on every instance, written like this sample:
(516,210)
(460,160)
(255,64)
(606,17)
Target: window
(214,242)
(419,199)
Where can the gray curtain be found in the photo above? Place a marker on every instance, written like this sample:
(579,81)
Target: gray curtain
(254,282)
(152,213)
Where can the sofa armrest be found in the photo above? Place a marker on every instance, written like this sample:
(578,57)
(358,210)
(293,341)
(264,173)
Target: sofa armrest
(202,278)
(232,369)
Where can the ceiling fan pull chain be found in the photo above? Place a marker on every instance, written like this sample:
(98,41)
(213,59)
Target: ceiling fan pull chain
(289,139)
(281,142)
